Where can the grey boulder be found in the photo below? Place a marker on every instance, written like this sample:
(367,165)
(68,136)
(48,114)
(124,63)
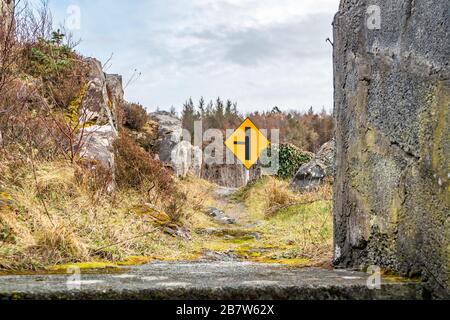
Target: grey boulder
(312,174)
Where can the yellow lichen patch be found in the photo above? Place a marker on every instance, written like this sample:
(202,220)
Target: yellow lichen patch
(389,276)
(83,266)
(294,262)
(74,106)
(158,217)
(184,256)
(135,261)
(4,196)
(6,200)
(370,138)
(441,133)
(435,114)
(395,211)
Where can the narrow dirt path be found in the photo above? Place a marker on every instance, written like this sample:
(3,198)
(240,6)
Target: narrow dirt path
(233,209)
(296,237)
(240,237)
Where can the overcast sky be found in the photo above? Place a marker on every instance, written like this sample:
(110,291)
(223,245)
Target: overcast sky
(260,53)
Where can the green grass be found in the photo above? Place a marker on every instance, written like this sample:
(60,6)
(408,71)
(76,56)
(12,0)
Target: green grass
(298,234)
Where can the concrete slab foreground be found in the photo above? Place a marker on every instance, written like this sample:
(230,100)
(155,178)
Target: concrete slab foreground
(206,281)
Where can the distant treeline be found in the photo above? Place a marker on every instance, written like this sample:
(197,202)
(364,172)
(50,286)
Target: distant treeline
(306,130)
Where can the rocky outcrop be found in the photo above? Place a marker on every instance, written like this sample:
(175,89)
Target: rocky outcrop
(392,103)
(98,114)
(312,174)
(97,144)
(185,158)
(103,95)
(170,134)
(181,155)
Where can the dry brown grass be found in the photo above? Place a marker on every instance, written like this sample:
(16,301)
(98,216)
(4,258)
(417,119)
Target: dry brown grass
(267,196)
(136,169)
(199,197)
(54,219)
(57,219)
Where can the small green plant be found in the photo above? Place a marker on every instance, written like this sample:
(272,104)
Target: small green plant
(61,70)
(57,37)
(48,58)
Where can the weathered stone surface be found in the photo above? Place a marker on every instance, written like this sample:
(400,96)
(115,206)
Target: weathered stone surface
(197,161)
(186,158)
(98,113)
(115,93)
(170,133)
(207,281)
(103,94)
(392,102)
(312,174)
(219,216)
(172,150)
(180,157)
(98,144)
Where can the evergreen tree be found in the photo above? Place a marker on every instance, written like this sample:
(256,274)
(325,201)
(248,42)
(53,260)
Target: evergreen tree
(201,107)
(189,116)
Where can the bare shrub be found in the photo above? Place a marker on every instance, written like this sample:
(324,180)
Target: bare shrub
(135,116)
(135,167)
(175,208)
(40,77)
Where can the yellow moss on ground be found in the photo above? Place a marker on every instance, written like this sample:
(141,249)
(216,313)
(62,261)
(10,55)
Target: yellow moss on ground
(83,266)
(129,261)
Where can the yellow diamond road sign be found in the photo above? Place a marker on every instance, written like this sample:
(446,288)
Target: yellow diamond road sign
(247,143)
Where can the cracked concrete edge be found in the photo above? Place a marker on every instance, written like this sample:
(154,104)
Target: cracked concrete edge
(406,291)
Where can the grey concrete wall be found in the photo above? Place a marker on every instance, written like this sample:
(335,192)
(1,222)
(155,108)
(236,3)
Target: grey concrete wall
(392,101)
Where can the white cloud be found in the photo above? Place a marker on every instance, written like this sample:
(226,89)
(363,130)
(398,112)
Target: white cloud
(252,13)
(260,53)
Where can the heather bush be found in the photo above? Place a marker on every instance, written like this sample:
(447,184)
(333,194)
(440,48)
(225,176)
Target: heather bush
(135,117)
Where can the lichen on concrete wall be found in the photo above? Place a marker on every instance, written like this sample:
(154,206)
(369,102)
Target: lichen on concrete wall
(392,101)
